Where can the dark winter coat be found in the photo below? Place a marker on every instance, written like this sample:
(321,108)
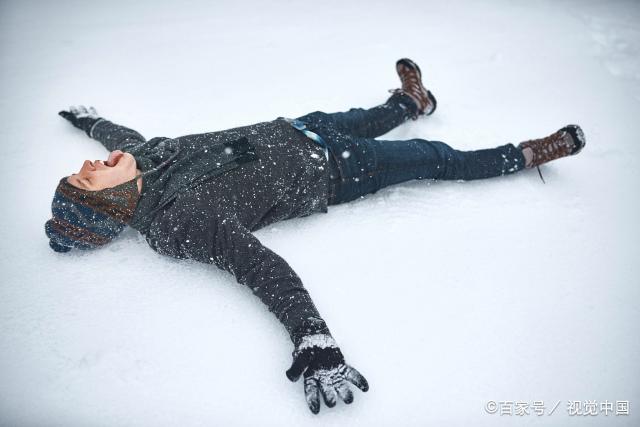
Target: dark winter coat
(272,172)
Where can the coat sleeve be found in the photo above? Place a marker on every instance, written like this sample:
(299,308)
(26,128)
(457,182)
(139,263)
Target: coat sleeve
(189,231)
(114,136)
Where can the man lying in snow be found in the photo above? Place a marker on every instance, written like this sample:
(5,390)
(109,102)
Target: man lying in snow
(201,196)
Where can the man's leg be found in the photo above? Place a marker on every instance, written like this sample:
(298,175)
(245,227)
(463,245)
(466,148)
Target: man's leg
(409,101)
(364,123)
(359,166)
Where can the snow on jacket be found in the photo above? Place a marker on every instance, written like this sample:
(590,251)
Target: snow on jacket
(211,219)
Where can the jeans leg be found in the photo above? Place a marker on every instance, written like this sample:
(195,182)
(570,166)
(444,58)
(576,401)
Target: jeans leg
(360,166)
(365,123)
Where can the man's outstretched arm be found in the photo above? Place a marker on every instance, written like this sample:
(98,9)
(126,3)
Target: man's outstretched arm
(207,234)
(111,135)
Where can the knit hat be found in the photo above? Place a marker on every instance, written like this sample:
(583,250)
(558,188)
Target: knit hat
(89,219)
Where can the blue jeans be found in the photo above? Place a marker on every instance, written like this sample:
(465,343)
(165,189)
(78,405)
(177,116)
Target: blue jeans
(359,164)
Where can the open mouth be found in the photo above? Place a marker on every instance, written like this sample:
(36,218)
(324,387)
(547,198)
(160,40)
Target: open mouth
(114,158)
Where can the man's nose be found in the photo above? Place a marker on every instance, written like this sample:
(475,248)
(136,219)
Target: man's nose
(87,165)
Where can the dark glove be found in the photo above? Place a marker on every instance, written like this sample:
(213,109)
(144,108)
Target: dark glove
(81,117)
(325,371)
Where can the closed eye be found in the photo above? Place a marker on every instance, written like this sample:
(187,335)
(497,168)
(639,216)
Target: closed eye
(82,183)
(85,182)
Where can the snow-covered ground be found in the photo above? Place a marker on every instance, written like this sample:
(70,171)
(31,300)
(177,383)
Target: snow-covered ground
(444,295)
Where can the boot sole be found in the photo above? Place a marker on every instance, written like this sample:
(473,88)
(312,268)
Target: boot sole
(433,101)
(409,63)
(578,137)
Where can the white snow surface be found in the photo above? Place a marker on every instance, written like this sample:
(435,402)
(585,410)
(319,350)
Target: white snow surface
(445,295)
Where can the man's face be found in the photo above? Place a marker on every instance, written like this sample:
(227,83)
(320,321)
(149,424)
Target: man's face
(119,168)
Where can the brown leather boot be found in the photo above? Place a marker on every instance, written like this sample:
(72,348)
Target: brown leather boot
(411,79)
(565,142)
